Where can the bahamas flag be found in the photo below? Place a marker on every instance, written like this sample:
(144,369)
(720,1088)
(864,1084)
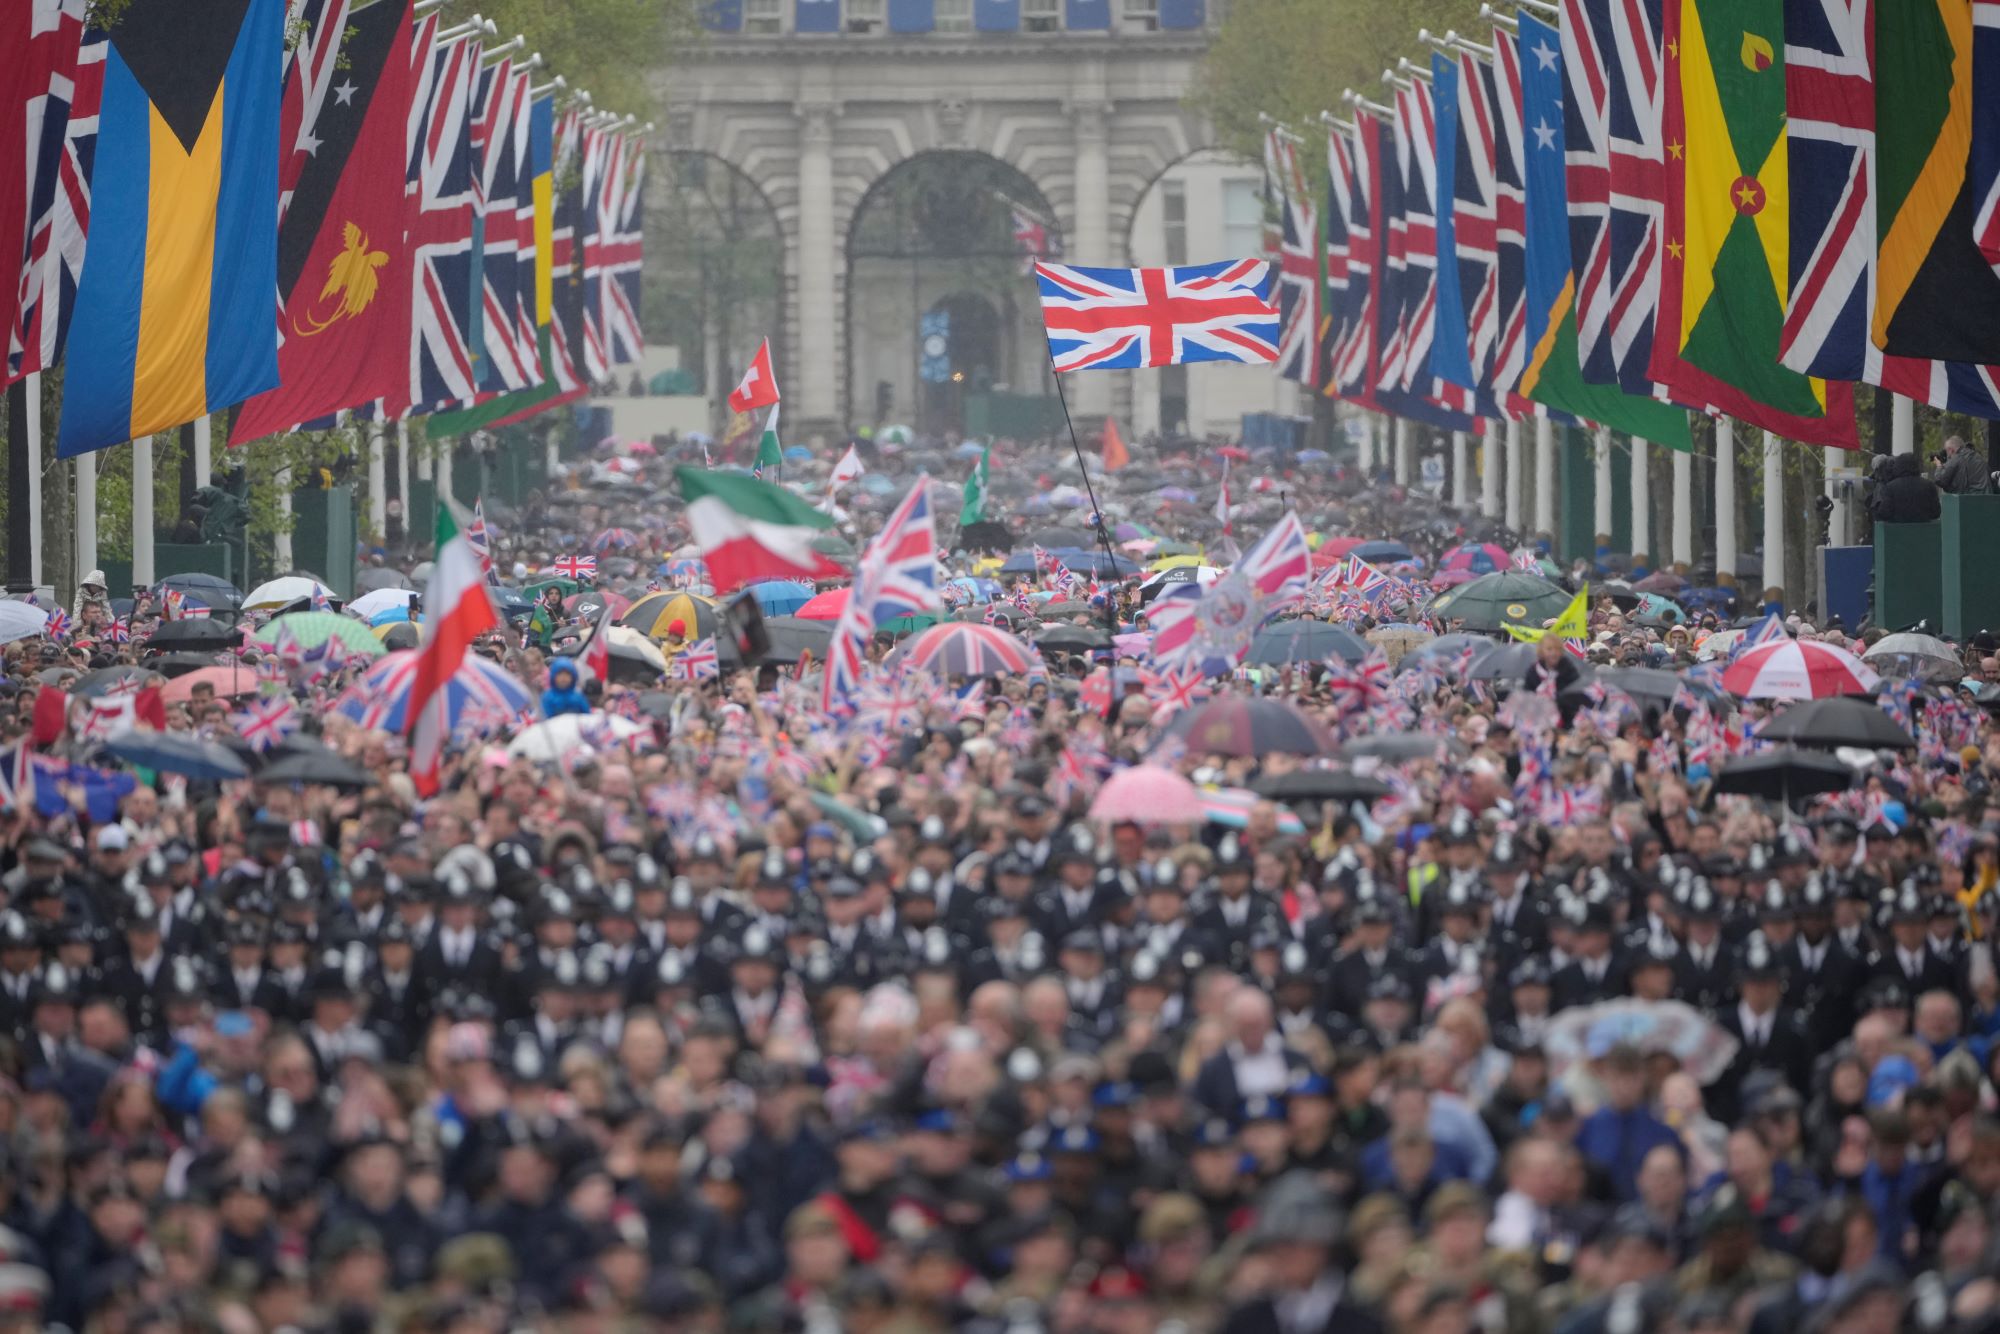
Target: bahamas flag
(175,308)
(1554,376)
(1724,282)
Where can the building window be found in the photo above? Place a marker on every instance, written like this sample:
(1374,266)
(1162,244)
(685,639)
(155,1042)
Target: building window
(953,16)
(763,16)
(1173,220)
(1041,16)
(867,15)
(1142,15)
(1242,218)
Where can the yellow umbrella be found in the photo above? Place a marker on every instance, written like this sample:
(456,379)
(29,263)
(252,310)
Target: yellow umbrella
(988,565)
(1174,562)
(653,614)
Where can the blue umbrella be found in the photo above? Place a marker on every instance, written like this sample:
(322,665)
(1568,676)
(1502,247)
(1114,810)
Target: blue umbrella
(781,597)
(976,588)
(798,453)
(1380,550)
(173,753)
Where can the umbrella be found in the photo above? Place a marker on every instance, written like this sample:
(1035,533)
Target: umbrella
(228,682)
(1653,686)
(1798,669)
(1444,648)
(211,590)
(792,639)
(1661,581)
(1918,656)
(555,738)
(1674,1028)
(20,620)
(1162,580)
(653,614)
(1052,539)
(177,753)
(1230,807)
(615,539)
(1322,785)
(481,696)
(369,605)
(1827,724)
(395,635)
(825,606)
(1783,774)
(1240,725)
(197,633)
(634,658)
(280,592)
(1493,600)
(105,679)
(585,606)
(1072,639)
(960,649)
(1402,747)
(1502,662)
(1381,551)
(1287,642)
(317,766)
(861,824)
(170,665)
(377,577)
(1147,794)
(1476,557)
(310,629)
(781,597)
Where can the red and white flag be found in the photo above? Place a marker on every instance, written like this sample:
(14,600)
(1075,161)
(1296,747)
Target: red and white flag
(758,387)
(457,610)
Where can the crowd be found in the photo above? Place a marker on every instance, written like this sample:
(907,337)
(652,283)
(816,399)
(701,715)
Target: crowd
(748,1020)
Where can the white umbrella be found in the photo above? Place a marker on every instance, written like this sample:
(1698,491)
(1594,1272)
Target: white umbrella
(20,620)
(554,738)
(1918,656)
(382,599)
(278,592)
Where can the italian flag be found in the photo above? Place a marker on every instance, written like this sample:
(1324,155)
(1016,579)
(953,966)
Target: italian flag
(750,530)
(770,455)
(457,610)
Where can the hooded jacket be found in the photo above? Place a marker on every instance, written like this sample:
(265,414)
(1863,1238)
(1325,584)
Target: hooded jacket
(1903,494)
(565,692)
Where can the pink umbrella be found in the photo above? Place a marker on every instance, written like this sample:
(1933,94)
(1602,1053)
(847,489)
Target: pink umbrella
(964,649)
(1798,669)
(1147,794)
(825,606)
(229,681)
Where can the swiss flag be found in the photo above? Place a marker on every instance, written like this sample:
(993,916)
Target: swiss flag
(758,388)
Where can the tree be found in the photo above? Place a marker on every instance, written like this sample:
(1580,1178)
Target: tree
(1291,58)
(604,47)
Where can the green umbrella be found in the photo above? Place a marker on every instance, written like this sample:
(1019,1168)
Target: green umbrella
(858,823)
(313,628)
(1493,600)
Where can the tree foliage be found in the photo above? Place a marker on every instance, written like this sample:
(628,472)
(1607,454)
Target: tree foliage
(1291,58)
(605,47)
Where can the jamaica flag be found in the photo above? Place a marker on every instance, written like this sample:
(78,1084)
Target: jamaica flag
(1935,295)
(1727,221)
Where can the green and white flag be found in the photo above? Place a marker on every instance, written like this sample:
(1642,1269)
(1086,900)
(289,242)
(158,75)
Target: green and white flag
(974,508)
(770,457)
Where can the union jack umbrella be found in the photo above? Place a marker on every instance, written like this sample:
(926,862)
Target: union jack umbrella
(615,539)
(479,691)
(1798,669)
(575,567)
(1121,319)
(961,648)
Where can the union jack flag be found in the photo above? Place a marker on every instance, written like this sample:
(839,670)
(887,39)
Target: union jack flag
(499,125)
(596,149)
(1416,147)
(699,661)
(320,600)
(1473,225)
(1767,631)
(63,78)
(1612,62)
(58,624)
(575,567)
(1017,734)
(1120,319)
(1172,691)
(1510,210)
(1830,133)
(1337,260)
(118,632)
(1361,686)
(1357,350)
(266,721)
(1298,264)
(897,576)
(309,66)
(481,540)
(622,253)
(440,182)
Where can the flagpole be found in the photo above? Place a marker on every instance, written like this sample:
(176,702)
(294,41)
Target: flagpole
(1096,515)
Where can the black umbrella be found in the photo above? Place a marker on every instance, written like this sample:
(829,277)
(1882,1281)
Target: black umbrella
(199,634)
(1502,662)
(1784,774)
(985,536)
(1236,725)
(211,590)
(792,639)
(177,753)
(317,766)
(1072,639)
(1843,720)
(171,665)
(1308,785)
(1444,647)
(1397,747)
(1287,642)
(101,681)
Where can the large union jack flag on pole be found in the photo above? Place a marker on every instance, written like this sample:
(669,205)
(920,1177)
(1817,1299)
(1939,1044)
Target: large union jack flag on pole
(897,576)
(1298,265)
(1122,319)
(443,360)
(60,78)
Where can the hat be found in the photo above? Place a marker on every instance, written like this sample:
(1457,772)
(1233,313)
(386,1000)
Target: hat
(1725,1208)
(1214,1133)
(1169,1218)
(1026,1167)
(1296,1209)
(1261,1107)
(112,838)
(1454,1197)
(1634,1223)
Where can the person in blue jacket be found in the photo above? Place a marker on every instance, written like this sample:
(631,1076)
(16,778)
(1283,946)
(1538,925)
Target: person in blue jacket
(565,692)
(1618,1136)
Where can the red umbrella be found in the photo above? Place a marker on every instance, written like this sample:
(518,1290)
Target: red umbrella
(959,648)
(1334,550)
(1235,452)
(1798,669)
(825,606)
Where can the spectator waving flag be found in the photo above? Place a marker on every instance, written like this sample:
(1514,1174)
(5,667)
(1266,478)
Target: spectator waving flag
(699,661)
(17,778)
(575,567)
(481,540)
(898,576)
(1120,319)
(267,721)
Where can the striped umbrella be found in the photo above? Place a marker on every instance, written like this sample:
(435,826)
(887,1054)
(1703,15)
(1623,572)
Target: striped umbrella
(482,696)
(310,629)
(1798,669)
(615,539)
(655,614)
(1478,557)
(1230,807)
(957,648)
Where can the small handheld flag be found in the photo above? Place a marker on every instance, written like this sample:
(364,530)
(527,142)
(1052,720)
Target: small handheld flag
(759,387)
